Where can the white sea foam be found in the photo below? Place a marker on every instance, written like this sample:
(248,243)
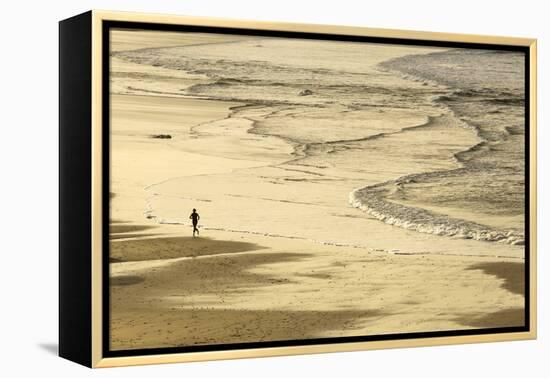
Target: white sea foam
(372,200)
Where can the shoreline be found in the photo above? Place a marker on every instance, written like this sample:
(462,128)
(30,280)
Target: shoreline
(492,133)
(155,299)
(270,224)
(161,208)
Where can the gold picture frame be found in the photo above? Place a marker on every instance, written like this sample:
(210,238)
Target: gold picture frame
(82,235)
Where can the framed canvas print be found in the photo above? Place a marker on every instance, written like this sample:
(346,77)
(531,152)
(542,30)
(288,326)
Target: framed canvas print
(235,189)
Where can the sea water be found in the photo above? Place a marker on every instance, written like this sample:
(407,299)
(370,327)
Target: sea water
(426,139)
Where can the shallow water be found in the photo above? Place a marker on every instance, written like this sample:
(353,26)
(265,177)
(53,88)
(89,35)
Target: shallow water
(423,138)
(488,94)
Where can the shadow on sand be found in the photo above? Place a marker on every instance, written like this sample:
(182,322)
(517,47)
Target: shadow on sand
(185,327)
(182,302)
(179,302)
(174,247)
(125,228)
(513,275)
(125,280)
(512,317)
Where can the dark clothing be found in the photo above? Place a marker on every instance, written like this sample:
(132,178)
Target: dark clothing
(195,219)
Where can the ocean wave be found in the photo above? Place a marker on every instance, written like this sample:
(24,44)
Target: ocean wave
(252,84)
(371,199)
(474,102)
(264,82)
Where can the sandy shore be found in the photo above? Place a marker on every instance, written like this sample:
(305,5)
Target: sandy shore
(178,290)
(169,289)
(281,255)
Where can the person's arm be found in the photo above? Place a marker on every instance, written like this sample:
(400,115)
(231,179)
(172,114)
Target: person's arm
(190,216)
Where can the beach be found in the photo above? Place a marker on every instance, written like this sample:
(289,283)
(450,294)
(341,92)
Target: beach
(329,203)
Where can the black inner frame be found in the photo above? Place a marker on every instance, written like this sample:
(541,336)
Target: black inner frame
(107,25)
